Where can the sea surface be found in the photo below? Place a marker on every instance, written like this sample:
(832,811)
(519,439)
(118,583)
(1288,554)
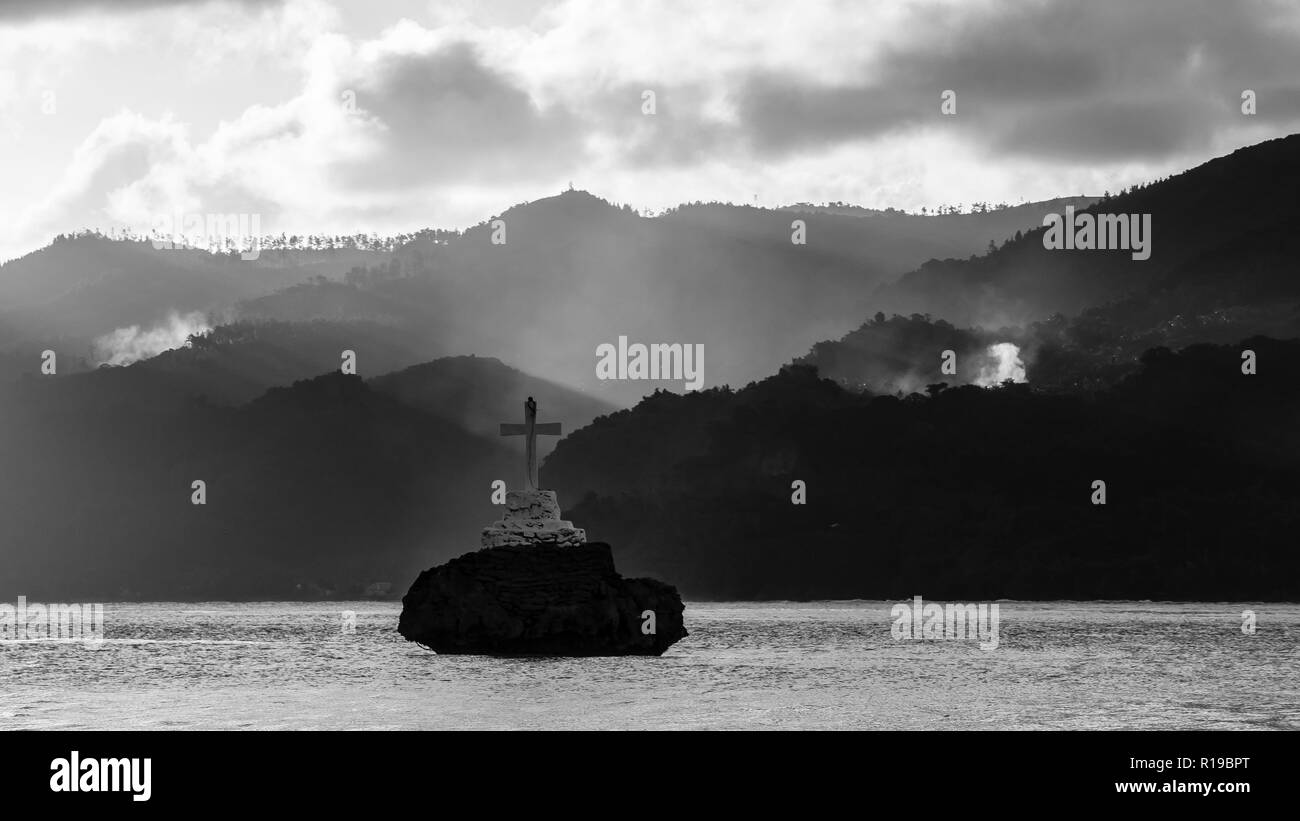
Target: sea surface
(821,665)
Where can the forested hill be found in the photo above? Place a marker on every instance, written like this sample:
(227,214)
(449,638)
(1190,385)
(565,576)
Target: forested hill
(967,493)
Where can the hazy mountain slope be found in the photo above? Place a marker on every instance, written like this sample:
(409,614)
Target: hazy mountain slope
(82,287)
(952,234)
(575,272)
(330,483)
(235,363)
(323,486)
(479,393)
(1223,234)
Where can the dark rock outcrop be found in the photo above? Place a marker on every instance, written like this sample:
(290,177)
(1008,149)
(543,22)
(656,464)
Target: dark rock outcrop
(539,599)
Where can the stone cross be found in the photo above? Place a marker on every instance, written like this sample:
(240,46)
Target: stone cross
(530,430)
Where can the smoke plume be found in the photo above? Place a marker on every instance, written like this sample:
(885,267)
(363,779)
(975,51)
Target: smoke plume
(131,344)
(1004,363)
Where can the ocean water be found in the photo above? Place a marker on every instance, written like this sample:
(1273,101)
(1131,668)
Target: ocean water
(825,665)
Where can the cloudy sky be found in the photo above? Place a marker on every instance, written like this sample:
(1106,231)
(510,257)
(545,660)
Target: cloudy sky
(391,116)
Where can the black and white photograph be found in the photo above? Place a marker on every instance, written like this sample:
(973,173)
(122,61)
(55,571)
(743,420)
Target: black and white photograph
(901,367)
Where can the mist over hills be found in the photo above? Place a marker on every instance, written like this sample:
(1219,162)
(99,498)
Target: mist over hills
(727,277)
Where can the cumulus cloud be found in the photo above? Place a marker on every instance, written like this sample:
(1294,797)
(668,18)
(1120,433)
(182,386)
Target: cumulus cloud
(440,114)
(377,127)
(116,164)
(1059,80)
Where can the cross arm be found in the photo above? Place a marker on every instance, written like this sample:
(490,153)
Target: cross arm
(547,429)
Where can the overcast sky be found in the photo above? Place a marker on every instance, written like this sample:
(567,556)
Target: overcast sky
(391,116)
